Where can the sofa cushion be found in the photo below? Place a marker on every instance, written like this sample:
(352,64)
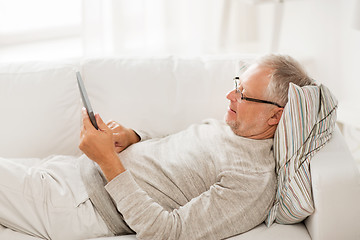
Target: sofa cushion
(261,232)
(276,231)
(39,104)
(306,125)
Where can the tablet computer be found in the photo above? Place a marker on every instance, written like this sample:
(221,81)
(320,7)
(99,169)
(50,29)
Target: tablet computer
(85,100)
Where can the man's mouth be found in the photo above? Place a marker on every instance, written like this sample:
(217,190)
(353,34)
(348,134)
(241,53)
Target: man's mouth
(232,110)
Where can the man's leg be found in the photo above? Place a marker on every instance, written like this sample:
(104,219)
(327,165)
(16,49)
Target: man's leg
(47,199)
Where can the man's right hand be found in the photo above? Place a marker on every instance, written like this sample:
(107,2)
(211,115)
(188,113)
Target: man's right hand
(123,137)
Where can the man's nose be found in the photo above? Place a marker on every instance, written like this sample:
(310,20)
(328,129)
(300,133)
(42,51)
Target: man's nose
(231,95)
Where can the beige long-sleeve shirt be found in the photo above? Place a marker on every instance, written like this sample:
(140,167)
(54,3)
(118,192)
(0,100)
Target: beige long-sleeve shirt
(202,183)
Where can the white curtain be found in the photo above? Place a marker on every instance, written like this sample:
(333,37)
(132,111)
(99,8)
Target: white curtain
(120,27)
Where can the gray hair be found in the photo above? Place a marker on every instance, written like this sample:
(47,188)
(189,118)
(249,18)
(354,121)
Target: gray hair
(285,70)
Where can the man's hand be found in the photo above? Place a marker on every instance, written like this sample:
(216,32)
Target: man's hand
(98,145)
(123,137)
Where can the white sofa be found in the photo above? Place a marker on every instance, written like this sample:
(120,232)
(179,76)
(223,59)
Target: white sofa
(40,115)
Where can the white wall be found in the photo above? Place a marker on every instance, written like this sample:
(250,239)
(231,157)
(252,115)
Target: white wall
(317,32)
(321,34)
(351,67)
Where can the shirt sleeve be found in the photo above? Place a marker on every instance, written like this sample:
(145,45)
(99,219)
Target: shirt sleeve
(146,135)
(231,206)
(143,135)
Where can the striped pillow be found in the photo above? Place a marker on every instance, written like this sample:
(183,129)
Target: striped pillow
(306,125)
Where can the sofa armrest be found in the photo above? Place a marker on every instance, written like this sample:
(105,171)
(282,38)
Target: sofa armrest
(336,192)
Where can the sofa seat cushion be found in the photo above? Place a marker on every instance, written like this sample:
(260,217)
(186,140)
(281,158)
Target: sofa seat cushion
(276,231)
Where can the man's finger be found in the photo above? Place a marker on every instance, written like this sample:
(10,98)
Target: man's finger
(111,124)
(101,123)
(85,119)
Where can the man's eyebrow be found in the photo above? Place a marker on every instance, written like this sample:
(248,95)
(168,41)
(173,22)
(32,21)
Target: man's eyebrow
(246,92)
(244,88)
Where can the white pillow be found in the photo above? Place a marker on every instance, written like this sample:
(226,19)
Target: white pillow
(39,105)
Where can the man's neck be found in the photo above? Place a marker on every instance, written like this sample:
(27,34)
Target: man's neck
(268,133)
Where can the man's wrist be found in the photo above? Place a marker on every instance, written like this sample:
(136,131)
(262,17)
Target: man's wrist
(112,167)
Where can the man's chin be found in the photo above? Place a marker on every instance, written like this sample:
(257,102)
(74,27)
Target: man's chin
(227,119)
(232,124)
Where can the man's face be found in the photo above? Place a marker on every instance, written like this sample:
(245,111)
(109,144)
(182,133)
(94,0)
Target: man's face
(246,118)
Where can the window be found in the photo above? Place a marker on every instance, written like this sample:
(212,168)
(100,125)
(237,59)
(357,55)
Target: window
(40,29)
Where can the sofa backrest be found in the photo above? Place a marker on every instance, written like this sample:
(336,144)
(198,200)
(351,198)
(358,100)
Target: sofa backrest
(39,106)
(40,101)
(163,95)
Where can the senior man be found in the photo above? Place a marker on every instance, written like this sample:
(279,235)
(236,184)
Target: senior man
(210,181)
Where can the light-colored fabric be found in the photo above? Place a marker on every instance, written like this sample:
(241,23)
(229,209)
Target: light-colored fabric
(94,182)
(39,105)
(202,183)
(7,233)
(336,190)
(261,232)
(275,232)
(45,198)
(306,125)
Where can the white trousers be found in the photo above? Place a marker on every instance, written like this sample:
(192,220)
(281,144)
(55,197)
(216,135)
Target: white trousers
(46,198)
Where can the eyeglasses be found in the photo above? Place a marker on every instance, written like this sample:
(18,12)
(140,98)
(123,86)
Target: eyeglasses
(237,85)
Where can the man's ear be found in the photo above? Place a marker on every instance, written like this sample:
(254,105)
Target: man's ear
(276,116)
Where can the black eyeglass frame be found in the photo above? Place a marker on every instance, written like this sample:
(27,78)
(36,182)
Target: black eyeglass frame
(237,83)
